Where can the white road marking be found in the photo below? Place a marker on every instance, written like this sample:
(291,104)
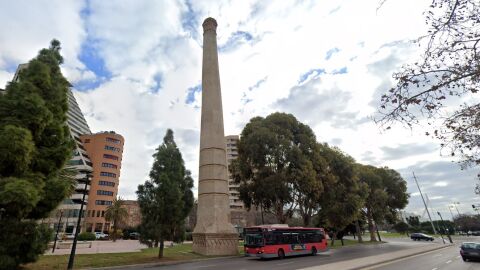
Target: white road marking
(285,263)
(435,268)
(449,261)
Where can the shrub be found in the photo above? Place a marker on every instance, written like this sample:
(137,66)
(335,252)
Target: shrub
(86,236)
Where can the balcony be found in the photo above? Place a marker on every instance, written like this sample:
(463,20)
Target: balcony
(81,187)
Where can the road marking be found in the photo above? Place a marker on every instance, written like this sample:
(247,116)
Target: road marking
(449,261)
(207,265)
(285,263)
(435,268)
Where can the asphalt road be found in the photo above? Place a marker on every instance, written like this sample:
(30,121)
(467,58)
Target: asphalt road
(444,259)
(243,263)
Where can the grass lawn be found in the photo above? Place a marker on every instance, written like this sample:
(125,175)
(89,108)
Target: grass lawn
(177,253)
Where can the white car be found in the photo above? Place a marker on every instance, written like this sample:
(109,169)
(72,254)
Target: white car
(101,236)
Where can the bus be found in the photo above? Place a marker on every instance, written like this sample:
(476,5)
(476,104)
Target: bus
(279,241)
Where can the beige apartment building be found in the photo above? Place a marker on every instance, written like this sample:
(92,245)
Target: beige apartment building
(105,150)
(237,208)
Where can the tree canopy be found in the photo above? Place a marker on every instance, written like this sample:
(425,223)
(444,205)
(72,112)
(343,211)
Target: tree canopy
(167,198)
(35,145)
(449,69)
(117,214)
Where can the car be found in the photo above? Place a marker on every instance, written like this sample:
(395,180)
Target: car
(134,235)
(101,236)
(470,250)
(421,236)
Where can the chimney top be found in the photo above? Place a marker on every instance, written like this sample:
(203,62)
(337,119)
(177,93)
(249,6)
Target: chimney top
(209,24)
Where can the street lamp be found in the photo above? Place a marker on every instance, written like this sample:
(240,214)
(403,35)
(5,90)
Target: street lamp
(455,204)
(74,245)
(58,229)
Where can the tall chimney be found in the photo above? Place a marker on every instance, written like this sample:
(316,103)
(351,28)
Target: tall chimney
(213,233)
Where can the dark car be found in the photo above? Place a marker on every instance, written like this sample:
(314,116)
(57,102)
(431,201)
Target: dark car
(421,236)
(134,236)
(470,250)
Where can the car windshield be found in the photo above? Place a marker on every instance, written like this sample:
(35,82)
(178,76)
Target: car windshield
(471,245)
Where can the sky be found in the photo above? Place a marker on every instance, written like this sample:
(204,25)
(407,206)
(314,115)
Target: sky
(135,67)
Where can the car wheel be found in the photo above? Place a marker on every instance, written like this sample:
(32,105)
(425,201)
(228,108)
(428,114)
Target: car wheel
(281,254)
(464,259)
(314,251)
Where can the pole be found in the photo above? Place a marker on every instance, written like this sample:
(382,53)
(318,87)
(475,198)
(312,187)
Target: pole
(451,213)
(74,245)
(426,208)
(455,204)
(448,232)
(58,229)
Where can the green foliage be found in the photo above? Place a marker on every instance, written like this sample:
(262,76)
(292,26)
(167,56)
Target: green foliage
(86,236)
(401,227)
(117,214)
(279,166)
(35,145)
(167,198)
(344,194)
(413,221)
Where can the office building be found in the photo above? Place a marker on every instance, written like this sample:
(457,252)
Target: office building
(105,150)
(237,208)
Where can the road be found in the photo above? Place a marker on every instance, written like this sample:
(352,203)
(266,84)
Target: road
(243,263)
(444,259)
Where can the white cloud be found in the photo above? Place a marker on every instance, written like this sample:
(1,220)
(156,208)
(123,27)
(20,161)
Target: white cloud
(152,49)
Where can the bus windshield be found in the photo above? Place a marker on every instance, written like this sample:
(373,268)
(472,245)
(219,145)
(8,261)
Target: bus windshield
(253,240)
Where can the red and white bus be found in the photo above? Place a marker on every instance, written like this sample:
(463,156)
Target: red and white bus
(278,241)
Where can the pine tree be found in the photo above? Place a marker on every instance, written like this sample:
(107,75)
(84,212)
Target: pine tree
(166,199)
(35,145)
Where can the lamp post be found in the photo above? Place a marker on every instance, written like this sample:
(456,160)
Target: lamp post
(455,204)
(58,229)
(448,233)
(74,245)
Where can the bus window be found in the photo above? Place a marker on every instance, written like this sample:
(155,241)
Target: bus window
(253,240)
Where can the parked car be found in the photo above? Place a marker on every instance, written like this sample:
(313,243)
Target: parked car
(134,235)
(470,250)
(421,236)
(101,236)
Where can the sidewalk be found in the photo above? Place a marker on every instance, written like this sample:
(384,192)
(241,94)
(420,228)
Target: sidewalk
(100,247)
(369,261)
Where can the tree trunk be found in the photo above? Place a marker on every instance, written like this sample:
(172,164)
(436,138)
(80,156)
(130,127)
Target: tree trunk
(114,236)
(371,227)
(334,235)
(359,233)
(306,220)
(160,251)
(282,219)
(156,244)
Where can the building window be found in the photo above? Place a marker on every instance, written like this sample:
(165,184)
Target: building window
(109,165)
(98,227)
(106,228)
(106,183)
(112,140)
(89,227)
(110,156)
(88,213)
(98,213)
(108,174)
(102,202)
(105,192)
(111,148)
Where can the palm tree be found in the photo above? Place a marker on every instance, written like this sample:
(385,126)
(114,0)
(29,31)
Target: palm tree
(116,213)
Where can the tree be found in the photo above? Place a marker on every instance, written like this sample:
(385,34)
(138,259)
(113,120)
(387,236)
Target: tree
(276,167)
(167,198)
(401,227)
(386,194)
(35,145)
(344,194)
(117,214)
(448,69)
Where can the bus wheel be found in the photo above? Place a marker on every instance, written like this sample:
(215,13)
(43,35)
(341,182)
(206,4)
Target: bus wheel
(281,254)
(314,251)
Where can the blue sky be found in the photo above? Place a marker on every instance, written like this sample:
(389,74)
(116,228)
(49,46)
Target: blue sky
(136,69)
